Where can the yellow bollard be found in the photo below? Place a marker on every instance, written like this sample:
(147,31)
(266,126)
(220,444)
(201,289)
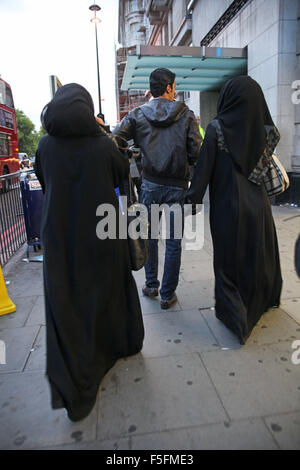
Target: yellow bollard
(6,305)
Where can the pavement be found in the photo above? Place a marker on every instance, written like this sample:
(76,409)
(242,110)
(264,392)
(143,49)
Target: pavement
(192,387)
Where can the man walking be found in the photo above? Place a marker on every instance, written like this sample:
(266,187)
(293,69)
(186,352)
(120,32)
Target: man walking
(167,133)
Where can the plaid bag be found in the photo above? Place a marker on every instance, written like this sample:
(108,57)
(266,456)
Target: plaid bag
(276,179)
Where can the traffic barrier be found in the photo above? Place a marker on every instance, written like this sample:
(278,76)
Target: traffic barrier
(6,305)
(32,200)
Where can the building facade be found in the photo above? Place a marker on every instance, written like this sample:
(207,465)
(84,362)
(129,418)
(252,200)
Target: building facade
(133,31)
(269,29)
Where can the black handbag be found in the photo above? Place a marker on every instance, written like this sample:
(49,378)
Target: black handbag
(138,248)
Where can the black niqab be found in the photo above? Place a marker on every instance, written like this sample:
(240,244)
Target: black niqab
(92,308)
(246,258)
(70,113)
(243,115)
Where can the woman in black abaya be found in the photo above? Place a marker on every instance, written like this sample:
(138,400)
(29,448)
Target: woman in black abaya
(93,314)
(233,160)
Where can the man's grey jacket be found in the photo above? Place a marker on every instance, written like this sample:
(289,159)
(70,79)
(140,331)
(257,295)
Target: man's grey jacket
(169,138)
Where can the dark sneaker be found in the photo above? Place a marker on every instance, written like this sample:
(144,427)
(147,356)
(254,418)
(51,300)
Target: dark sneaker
(165,304)
(150,291)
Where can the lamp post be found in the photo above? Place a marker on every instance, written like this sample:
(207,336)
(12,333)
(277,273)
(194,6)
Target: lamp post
(97,20)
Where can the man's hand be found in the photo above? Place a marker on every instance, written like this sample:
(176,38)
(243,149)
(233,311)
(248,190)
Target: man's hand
(100,121)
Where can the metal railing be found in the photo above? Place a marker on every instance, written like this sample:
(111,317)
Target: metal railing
(12,224)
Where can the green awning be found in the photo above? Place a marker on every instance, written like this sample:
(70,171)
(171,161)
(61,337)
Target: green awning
(196,68)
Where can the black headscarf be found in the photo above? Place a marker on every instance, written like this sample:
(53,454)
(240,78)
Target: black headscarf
(246,122)
(70,113)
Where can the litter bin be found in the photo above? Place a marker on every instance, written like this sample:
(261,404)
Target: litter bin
(32,200)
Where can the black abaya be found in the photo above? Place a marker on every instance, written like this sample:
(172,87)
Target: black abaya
(246,258)
(93,314)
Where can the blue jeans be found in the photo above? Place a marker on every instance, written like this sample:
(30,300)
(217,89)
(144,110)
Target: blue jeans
(152,193)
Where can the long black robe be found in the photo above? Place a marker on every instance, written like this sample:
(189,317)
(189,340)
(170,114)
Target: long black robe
(246,258)
(93,314)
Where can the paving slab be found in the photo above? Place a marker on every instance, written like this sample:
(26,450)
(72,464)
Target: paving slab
(153,394)
(287,259)
(114,444)
(18,343)
(287,263)
(16,266)
(288,215)
(172,333)
(255,381)
(198,270)
(288,226)
(37,357)
(208,247)
(225,338)
(287,239)
(292,308)
(285,429)
(201,255)
(37,314)
(29,420)
(24,306)
(238,435)
(26,282)
(192,387)
(291,285)
(197,294)
(139,277)
(274,326)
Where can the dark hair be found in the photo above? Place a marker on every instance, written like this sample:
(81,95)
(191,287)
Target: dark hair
(159,80)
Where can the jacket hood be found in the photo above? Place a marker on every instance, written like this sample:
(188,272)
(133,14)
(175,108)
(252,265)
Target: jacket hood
(161,112)
(70,113)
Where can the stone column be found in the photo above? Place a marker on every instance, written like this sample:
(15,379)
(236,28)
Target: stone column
(208,107)
(133,24)
(296,155)
(288,115)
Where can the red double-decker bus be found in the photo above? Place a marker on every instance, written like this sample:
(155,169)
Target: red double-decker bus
(9,158)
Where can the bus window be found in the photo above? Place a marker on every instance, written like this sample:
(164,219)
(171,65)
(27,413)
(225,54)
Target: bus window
(2,90)
(6,119)
(5,145)
(2,118)
(8,97)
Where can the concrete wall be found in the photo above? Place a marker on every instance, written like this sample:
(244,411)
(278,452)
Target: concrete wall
(208,107)
(260,32)
(194,102)
(287,63)
(268,28)
(178,13)
(205,15)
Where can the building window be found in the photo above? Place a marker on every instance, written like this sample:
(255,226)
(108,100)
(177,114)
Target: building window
(6,119)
